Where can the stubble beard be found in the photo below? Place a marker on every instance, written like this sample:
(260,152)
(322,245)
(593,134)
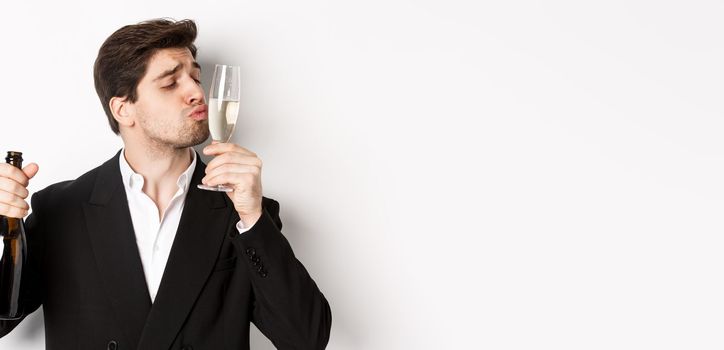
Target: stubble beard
(166,135)
(193,134)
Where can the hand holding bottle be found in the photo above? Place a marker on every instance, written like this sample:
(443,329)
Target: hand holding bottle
(13,189)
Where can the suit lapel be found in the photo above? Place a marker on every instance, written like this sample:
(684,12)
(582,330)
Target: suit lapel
(114,246)
(204,221)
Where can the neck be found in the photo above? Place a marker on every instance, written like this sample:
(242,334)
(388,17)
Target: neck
(159,168)
(160,171)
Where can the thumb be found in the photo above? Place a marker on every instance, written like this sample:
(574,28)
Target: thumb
(30,170)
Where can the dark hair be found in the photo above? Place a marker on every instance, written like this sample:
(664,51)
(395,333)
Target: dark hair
(123,58)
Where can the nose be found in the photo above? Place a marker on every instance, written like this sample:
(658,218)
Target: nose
(194,94)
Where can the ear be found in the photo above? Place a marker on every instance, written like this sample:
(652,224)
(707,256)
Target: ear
(123,111)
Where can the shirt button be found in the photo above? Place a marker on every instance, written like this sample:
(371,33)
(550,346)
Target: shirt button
(112,345)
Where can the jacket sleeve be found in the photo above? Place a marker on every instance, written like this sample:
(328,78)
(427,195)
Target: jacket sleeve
(31,278)
(288,308)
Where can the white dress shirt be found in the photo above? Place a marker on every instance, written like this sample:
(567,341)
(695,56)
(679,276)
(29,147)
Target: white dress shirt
(153,237)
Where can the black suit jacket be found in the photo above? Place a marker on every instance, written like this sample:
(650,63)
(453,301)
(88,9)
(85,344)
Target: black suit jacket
(84,268)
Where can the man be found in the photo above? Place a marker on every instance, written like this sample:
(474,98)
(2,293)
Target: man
(132,255)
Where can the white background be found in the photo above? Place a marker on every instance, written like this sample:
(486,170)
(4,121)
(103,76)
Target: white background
(455,175)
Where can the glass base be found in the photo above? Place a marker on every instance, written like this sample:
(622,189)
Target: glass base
(217,188)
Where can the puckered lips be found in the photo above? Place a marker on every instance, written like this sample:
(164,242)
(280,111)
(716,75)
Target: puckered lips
(199,113)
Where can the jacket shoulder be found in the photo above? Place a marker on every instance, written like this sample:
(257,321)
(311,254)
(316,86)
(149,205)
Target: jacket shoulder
(69,190)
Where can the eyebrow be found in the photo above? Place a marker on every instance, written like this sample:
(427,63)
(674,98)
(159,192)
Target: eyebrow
(174,70)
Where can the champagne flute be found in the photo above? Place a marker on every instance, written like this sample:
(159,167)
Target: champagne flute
(224,98)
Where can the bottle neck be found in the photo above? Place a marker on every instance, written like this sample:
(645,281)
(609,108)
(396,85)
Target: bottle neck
(15,159)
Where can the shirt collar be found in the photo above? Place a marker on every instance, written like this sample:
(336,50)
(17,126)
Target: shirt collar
(134,180)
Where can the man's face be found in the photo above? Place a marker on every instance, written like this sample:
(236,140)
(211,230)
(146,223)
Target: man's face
(170,109)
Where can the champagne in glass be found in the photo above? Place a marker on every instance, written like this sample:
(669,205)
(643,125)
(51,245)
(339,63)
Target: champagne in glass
(224,98)
(222,118)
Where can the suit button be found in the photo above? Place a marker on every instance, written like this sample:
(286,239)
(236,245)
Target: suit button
(250,251)
(112,345)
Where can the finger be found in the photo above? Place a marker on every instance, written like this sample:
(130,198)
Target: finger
(218,148)
(30,170)
(10,185)
(233,168)
(233,158)
(244,180)
(11,172)
(12,212)
(13,200)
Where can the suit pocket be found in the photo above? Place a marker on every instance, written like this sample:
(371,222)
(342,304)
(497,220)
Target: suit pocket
(225,264)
